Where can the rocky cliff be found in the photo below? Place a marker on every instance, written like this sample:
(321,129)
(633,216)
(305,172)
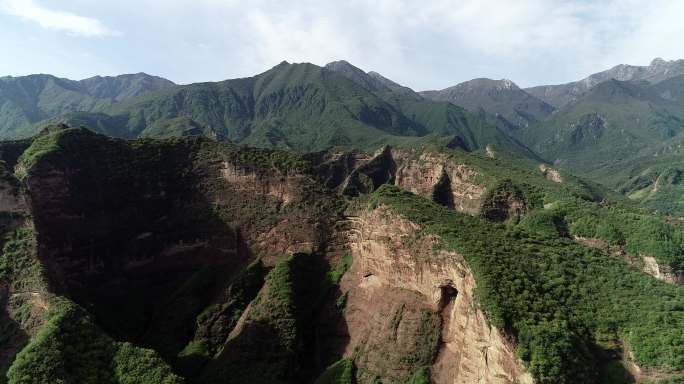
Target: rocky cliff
(157,239)
(436,175)
(197,261)
(23,292)
(410,305)
(433,174)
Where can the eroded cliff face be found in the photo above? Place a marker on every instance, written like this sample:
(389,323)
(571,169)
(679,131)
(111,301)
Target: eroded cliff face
(434,175)
(410,305)
(149,235)
(646,263)
(660,272)
(284,188)
(23,294)
(269,207)
(11,199)
(437,176)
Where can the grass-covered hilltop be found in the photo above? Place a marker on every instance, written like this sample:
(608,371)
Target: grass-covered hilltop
(327,225)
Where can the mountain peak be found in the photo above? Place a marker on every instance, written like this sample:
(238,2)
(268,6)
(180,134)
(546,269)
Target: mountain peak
(483,84)
(340,64)
(502,100)
(345,68)
(658,61)
(355,74)
(282,64)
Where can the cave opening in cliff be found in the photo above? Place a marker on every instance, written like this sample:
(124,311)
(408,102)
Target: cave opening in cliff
(442,193)
(447,295)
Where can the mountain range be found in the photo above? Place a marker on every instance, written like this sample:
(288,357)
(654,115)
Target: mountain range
(328,225)
(657,71)
(627,115)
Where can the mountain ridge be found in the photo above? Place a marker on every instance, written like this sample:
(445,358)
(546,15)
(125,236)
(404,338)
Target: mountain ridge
(507,104)
(299,106)
(28,100)
(658,70)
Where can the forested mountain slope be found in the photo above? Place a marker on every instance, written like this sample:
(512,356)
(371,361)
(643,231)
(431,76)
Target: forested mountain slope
(190,260)
(27,100)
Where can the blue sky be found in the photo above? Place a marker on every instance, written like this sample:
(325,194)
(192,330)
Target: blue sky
(422,44)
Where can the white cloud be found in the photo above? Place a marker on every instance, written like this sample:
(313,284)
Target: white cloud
(531,41)
(423,44)
(55,19)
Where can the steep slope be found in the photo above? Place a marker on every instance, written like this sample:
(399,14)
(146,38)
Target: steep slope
(291,105)
(369,80)
(653,181)
(240,265)
(154,243)
(586,329)
(613,123)
(512,191)
(508,106)
(418,295)
(560,95)
(301,107)
(27,100)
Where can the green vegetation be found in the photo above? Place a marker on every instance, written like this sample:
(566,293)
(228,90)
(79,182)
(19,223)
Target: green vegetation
(216,320)
(259,159)
(277,331)
(70,348)
(342,372)
(675,379)
(21,275)
(336,273)
(565,303)
(655,183)
(626,135)
(422,376)
(637,232)
(267,350)
(270,348)
(427,341)
(556,296)
(279,308)
(19,266)
(503,102)
(507,200)
(26,101)
(295,106)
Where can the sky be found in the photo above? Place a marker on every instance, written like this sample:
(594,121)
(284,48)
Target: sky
(426,44)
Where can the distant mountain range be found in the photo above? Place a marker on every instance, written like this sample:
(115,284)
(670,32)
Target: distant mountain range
(29,100)
(623,127)
(609,126)
(504,102)
(297,106)
(657,71)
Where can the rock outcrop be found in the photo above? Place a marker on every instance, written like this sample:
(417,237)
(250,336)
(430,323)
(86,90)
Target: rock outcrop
(646,263)
(409,301)
(437,176)
(285,188)
(434,175)
(550,173)
(661,272)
